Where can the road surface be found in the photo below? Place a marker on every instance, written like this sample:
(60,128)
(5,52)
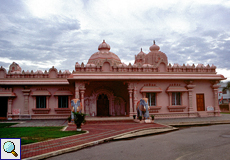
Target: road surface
(195,143)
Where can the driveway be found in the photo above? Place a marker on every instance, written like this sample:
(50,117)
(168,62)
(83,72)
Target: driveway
(196,143)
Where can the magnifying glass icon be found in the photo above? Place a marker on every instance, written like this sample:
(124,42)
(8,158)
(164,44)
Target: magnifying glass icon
(9,147)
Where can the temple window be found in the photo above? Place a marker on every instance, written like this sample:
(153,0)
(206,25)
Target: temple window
(40,101)
(151,99)
(63,102)
(176,98)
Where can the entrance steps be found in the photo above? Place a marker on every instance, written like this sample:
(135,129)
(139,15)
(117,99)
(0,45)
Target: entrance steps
(202,114)
(92,120)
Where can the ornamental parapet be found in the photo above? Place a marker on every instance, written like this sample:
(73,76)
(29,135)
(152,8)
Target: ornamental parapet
(52,73)
(176,68)
(120,68)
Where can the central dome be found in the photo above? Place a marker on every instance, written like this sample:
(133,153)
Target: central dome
(103,45)
(154,57)
(154,47)
(104,55)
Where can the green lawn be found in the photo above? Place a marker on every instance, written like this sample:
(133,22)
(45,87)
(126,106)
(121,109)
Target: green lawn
(225,112)
(33,134)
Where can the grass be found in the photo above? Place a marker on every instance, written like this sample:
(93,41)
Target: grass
(33,134)
(225,112)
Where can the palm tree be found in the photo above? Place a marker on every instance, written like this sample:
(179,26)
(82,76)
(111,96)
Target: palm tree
(227,87)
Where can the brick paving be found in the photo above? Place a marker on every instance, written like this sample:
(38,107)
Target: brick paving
(96,131)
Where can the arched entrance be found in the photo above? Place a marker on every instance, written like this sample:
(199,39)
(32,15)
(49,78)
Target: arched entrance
(102,105)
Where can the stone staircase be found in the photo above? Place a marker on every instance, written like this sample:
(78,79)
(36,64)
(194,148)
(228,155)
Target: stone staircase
(99,120)
(202,114)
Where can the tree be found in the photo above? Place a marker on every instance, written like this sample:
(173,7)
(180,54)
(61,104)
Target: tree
(227,87)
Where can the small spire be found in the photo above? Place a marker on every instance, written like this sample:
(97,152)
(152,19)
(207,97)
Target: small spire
(103,41)
(153,41)
(141,49)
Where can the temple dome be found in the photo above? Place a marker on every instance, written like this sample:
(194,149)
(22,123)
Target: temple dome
(155,57)
(103,55)
(104,45)
(154,47)
(141,53)
(140,57)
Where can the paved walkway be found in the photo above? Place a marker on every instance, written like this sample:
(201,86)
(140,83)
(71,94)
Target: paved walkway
(224,118)
(102,132)
(97,133)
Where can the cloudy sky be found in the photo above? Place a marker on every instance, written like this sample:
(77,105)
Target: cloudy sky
(39,34)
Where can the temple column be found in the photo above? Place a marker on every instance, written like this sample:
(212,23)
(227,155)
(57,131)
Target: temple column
(135,97)
(77,96)
(10,101)
(26,94)
(82,99)
(113,106)
(191,111)
(216,104)
(170,98)
(130,101)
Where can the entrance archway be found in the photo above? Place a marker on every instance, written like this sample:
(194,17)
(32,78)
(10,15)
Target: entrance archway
(102,105)
(3,107)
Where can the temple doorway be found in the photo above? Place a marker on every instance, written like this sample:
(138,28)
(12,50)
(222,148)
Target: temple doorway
(102,105)
(3,107)
(200,102)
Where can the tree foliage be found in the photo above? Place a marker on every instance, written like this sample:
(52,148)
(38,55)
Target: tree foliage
(227,87)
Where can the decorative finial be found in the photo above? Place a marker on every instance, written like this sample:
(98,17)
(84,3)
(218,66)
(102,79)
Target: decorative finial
(141,49)
(103,41)
(153,41)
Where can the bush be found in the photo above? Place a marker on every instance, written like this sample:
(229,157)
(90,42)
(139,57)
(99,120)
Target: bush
(69,119)
(79,118)
(140,118)
(152,116)
(224,107)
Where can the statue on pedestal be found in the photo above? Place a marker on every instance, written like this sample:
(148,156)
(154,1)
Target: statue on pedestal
(77,107)
(143,108)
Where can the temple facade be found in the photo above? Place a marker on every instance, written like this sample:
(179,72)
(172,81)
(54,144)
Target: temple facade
(108,87)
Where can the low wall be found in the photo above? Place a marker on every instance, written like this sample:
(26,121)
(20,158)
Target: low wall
(224,107)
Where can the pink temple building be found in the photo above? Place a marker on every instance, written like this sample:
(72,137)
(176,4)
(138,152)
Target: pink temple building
(108,87)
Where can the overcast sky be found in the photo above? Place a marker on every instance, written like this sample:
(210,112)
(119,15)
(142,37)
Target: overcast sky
(39,34)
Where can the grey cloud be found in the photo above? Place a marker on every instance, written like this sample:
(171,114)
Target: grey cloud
(200,51)
(4,43)
(36,37)
(12,7)
(5,65)
(211,33)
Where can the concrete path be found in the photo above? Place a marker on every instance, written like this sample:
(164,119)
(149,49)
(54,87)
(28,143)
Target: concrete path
(39,123)
(224,118)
